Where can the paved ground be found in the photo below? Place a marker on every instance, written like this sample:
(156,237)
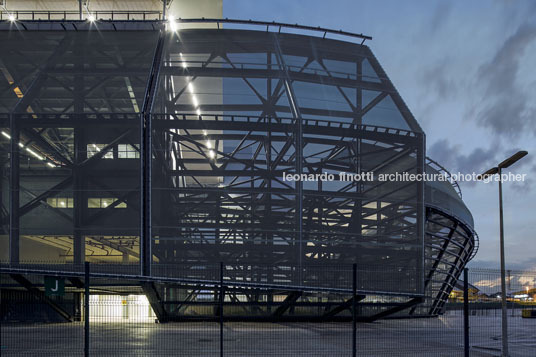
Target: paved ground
(415,337)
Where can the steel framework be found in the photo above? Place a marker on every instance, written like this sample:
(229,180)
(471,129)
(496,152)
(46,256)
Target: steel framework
(168,151)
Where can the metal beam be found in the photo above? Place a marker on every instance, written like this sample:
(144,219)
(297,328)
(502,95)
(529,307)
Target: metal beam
(345,305)
(288,302)
(393,310)
(46,147)
(38,294)
(41,77)
(77,283)
(156,302)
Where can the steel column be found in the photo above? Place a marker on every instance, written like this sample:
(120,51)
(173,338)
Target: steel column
(421,212)
(354,312)
(79,248)
(80,155)
(86,309)
(466,312)
(146,158)
(14,184)
(222,299)
(504,311)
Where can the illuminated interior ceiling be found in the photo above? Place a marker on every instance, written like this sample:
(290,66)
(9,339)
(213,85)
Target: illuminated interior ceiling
(107,249)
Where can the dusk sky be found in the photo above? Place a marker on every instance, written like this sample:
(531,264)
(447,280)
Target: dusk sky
(466,69)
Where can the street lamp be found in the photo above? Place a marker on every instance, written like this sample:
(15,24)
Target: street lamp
(498,170)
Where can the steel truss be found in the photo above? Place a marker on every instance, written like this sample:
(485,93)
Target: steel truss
(216,118)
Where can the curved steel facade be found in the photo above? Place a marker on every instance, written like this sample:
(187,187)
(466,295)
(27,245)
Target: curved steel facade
(170,150)
(243,110)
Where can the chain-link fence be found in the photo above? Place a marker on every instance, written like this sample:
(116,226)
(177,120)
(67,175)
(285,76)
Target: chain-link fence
(69,315)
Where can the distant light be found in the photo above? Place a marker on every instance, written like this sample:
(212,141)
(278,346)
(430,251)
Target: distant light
(198,111)
(6,135)
(11,18)
(205,132)
(209,144)
(91,18)
(211,154)
(51,164)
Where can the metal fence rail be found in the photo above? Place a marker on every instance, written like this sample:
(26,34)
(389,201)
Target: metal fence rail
(99,316)
(74,15)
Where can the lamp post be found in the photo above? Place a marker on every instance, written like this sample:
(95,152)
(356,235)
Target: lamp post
(498,170)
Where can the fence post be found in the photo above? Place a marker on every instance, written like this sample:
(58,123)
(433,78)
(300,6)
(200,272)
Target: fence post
(86,310)
(221,308)
(354,293)
(466,311)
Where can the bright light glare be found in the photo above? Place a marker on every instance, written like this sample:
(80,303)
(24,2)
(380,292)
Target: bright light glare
(211,154)
(191,87)
(172,24)
(209,144)
(51,164)
(6,135)
(183,62)
(35,154)
(198,112)
(11,18)
(91,18)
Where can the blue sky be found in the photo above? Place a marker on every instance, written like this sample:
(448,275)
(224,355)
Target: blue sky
(467,71)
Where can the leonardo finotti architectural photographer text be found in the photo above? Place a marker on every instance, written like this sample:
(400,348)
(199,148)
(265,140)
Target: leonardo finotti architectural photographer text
(401,176)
